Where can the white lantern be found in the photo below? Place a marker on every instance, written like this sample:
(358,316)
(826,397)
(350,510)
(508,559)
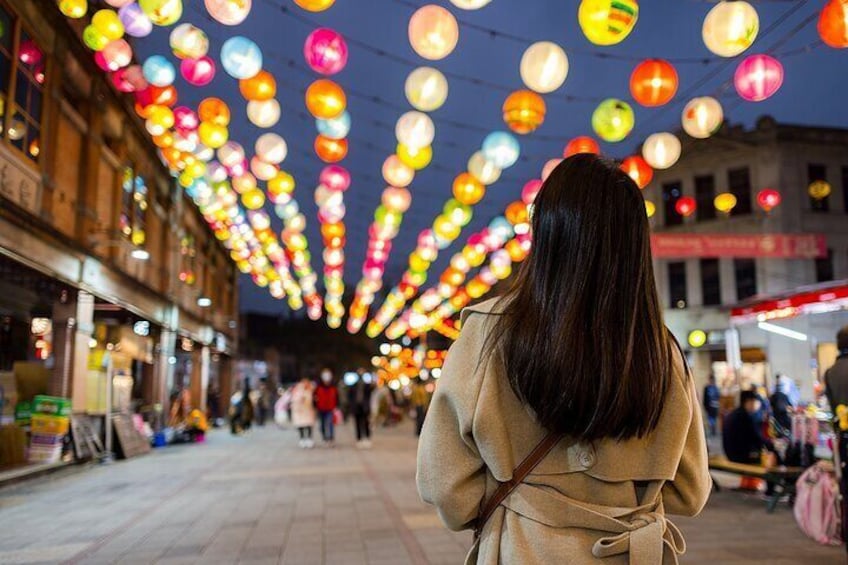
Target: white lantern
(730,28)
(433,32)
(426,89)
(230,154)
(326,197)
(415,130)
(396,172)
(263,113)
(263,170)
(702,117)
(271,148)
(544,66)
(470,4)
(661,150)
(483,170)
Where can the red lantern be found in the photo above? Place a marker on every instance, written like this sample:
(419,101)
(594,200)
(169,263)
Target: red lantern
(685,206)
(768,199)
(833,24)
(582,144)
(653,82)
(638,169)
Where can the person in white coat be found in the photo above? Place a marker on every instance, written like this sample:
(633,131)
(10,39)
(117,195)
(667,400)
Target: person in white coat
(303,411)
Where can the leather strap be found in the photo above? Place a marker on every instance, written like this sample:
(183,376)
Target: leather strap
(518,475)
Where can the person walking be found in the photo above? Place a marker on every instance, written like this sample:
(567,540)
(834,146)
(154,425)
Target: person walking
(303,411)
(712,402)
(836,390)
(781,405)
(246,412)
(571,378)
(326,401)
(419,399)
(359,402)
(263,403)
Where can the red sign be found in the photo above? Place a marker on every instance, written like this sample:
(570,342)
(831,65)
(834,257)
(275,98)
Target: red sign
(820,300)
(776,246)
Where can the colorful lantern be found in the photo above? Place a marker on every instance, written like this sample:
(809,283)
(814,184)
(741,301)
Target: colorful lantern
(819,189)
(470,4)
(458,212)
(334,128)
(108,24)
(73,9)
(325,51)
(833,24)
(501,149)
(115,55)
(214,110)
(271,148)
(613,120)
(730,28)
(198,72)
(768,199)
(136,23)
(335,177)
(661,150)
(396,199)
(282,183)
(261,86)
(725,202)
(426,89)
(483,170)
(263,114)
(228,12)
(433,32)
(638,169)
(212,135)
(445,229)
(158,71)
(650,208)
(330,150)
(325,99)
(315,5)
(396,173)
(685,206)
(467,189)
(544,67)
(581,144)
(758,77)
(241,57)
(653,82)
(93,39)
(162,12)
(549,167)
(118,3)
(702,117)
(524,111)
(415,130)
(188,42)
(607,22)
(530,190)
(415,158)
(253,199)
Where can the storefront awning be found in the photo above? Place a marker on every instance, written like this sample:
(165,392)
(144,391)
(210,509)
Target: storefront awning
(816,299)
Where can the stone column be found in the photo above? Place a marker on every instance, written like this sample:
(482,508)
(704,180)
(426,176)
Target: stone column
(73,326)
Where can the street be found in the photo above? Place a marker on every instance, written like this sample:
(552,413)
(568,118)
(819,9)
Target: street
(260,499)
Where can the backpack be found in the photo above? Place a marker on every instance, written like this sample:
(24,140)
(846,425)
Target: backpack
(817,509)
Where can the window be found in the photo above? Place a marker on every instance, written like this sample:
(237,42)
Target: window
(188,252)
(671,191)
(739,184)
(818,172)
(677,284)
(710,282)
(133,207)
(824,267)
(746,278)
(845,188)
(704,195)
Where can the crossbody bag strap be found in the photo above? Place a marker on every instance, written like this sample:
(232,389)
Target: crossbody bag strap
(518,475)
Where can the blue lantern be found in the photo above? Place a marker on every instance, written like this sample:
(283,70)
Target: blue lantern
(501,227)
(159,71)
(501,149)
(241,57)
(334,128)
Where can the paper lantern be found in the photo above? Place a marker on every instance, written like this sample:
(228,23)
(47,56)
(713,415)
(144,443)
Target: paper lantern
(330,150)
(158,70)
(325,51)
(185,119)
(638,170)
(501,149)
(458,212)
(758,77)
(661,150)
(253,199)
(228,12)
(129,79)
(650,208)
(768,199)
(115,55)
(231,154)
(214,110)
(244,182)
(334,128)
(549,167)
(241,57)
(530,190)
(136,23)
(819,190)
(314,5)
(118,3)
(108,24)
(212,135)
(396,199)
(467,189)
(93,39)
(730,28)
(524,111)
(396,173)
(724,202)
(263,114)
(162,12)
(833,24)
(198,72)
(613,120)
(581,144)
(325,99)
(426,89)
(415,158)
(261,86)
(74,9)
(544,67)
(415,130)
(445,229)
(470,4)
(483,170)
(262,170)
(160,119)
(653,82)
(685,206)
(282,183)
(516,213)
(607,22)
(702,117)
(188,42)
(433,32)
(271,148)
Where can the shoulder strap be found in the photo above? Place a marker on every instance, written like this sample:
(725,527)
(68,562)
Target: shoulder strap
(518,475)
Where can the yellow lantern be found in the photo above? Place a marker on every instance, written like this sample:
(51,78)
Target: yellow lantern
(417,263)
(544,67)
(282,183)
(253,199)
(613,120)
(108,24)
(650,208)
(433,32)
(212,135)
(661,150)
(467,189)
(697,338)
(702,117)
(74,9)
(607,22)
(162,12)
(819,189)
(730,28)
(426,89)
(415,158)
(445,228)
(315,5)
(724,202)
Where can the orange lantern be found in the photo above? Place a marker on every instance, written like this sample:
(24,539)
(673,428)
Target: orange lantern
(638,169)
(833,24)
(467,189)
(314,5)
(330,231)
(262,86)
(516,213)
(330,150)
(163,96)
(653,82)
(215,111)
(524,111)
(164,140)
(516,252)
(581,144)
(452,277)
(325,99)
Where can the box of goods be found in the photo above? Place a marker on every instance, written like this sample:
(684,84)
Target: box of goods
(23,413)
(46,440)
(51,425)
(53,405)
(45,454)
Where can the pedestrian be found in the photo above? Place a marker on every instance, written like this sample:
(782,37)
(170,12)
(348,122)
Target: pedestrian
(836,389)
(781,405)
(247,410)
(234,412)
(359,402)
(213,405)
(712,402)
(327,401)
(571,373)
(419,399)
(741,434)
(263,403)
(303,411)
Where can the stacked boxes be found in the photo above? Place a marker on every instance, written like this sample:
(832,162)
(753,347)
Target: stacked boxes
(49,426)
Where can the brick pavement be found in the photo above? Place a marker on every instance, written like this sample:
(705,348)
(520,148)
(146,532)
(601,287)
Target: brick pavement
(259,499)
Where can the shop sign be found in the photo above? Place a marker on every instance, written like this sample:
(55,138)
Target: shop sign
(778,246)
(19,184)
(831,299)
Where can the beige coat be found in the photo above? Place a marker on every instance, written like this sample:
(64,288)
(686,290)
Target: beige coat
(598,503)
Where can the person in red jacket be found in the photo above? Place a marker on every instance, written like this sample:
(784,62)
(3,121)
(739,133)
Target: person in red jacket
(326,401)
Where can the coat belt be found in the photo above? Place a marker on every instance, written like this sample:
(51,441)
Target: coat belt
(645,540)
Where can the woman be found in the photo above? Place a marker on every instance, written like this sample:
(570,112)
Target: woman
(575,366)
(359,401)
(327,400)
(303,411)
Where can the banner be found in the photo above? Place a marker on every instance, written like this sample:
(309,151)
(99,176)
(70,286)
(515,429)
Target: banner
(775,246)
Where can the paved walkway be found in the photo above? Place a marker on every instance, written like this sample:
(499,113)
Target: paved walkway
(259,499)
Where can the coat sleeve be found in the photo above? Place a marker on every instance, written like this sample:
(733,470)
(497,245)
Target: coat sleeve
(688,493)
(451,474)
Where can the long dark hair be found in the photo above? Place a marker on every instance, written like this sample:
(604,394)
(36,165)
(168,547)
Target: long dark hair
(582,333)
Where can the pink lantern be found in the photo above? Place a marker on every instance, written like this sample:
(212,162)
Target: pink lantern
(325,51)
(29,53)
(427,239)
(185,119)
(335,177)
(116,55)
(549,168)
(758,77)
(198,72)
(129,79)
(118,3)
(530,190)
